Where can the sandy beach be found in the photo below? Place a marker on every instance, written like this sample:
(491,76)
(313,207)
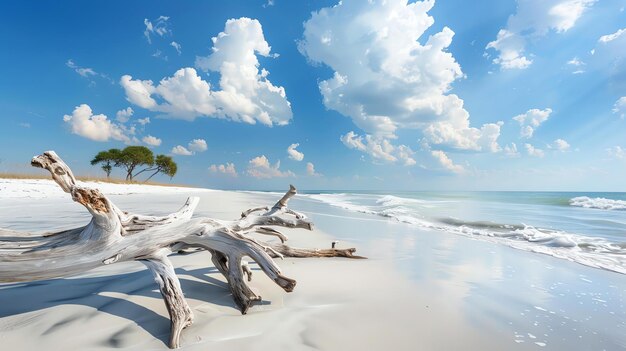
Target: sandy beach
(417,290)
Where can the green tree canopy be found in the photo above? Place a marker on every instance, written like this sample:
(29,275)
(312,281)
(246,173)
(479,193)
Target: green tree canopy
(132,157)
(164,164)
(107,159)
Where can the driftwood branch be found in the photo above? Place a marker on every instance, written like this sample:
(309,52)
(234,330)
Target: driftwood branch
(114,236)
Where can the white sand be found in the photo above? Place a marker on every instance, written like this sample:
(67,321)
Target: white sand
(416,292)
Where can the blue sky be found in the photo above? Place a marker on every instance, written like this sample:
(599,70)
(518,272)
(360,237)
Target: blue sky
(480,95)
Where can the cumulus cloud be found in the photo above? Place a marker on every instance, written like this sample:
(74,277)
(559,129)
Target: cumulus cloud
(124,115)
(620,107)
(389,76)
(83,122)
(610,37)
(143,121)
(531,120)
(534,19)
(532,151)
(176,46)
(181,151)
(197,145)
(616,152)
(511,50)
(446,162)
(295,154)
(246,93)
(194,146)
(260,167)
(150,140)
(379,148)
(560,145)
(160,27)
(310,170)
(227,169)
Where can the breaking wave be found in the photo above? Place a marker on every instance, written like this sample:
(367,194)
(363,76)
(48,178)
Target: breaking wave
(588,250)
(598,203)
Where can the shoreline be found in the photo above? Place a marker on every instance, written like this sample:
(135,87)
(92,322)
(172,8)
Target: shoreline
(416,290)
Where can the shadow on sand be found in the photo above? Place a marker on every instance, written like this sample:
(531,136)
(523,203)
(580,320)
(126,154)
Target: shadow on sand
(19,298)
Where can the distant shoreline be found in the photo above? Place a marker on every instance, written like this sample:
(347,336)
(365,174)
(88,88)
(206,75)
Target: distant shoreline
(111,180)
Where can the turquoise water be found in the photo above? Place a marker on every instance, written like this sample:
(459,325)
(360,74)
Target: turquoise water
(588,228)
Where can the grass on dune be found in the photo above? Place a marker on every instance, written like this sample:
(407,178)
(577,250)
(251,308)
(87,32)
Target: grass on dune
(113,180)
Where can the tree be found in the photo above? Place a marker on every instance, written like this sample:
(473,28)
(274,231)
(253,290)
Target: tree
(132,157)
(164,164)
(107,159)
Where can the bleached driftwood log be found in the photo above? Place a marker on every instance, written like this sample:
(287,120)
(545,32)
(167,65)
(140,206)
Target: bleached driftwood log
(113,236)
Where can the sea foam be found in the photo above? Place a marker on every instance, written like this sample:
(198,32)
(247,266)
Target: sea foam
(587,250)
(598,203)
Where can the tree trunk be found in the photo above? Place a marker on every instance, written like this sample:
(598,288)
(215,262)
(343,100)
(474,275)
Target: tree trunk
(114,236)
(152,175)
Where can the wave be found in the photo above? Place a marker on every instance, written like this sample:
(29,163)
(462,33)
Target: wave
(598,203)
(590,251)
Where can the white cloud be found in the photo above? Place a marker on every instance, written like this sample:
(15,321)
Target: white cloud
(197,145)
(152,141)
(610,37)
(160,27)
(181,150)
(260,167)
(575,62)
(560,145)
(143,121)
(532,151)
(531,120)
(176,46)
(227,169)
(483,139)
(310,170)
(95,127)
(533,19)
(246,94)
(511,50)
(379,148)
(620,107)
(295,154)
(510,150)
(387,75)
(124,115)
(82,71)
(446,162)
(617,152)
(159,54)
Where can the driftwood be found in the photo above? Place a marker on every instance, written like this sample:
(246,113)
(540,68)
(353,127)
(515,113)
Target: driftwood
(113,236)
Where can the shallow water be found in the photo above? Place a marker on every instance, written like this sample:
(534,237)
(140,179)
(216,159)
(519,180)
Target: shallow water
(530,300)
(588,228)
(538,301)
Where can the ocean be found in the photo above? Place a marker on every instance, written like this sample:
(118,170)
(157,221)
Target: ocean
(587,228)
